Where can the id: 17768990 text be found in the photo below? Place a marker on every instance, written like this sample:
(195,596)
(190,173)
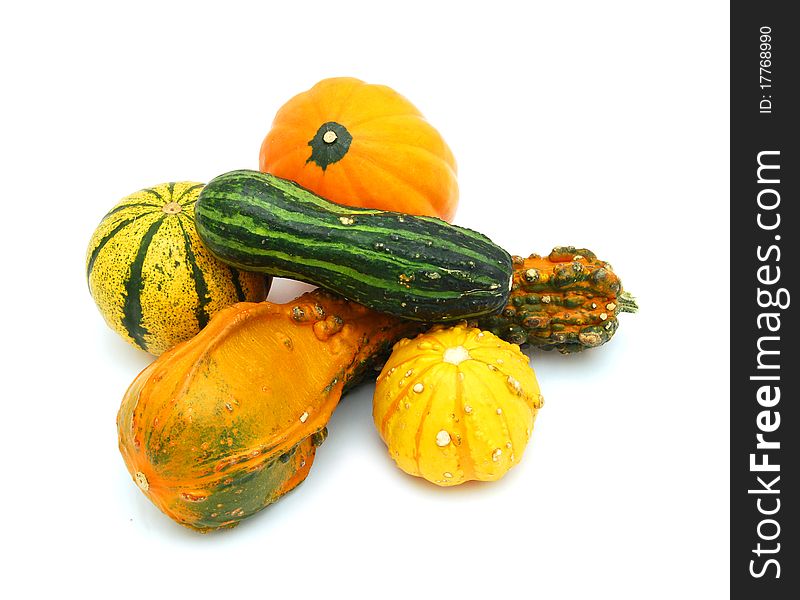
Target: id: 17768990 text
(765,70)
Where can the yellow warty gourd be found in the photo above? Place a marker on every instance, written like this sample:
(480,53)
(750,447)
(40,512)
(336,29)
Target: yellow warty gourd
(456,404)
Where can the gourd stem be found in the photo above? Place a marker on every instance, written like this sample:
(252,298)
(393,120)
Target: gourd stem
(627,303)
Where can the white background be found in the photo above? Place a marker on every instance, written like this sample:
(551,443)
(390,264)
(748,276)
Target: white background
(597,124)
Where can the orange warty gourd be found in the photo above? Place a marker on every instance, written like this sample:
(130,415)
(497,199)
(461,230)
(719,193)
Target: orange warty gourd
(226,423)
(362,145)
(568,300)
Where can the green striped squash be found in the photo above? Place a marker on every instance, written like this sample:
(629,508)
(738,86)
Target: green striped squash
(415,267)
(151,277)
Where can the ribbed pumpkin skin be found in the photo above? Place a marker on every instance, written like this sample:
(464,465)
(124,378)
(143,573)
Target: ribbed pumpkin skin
(385,154)
(419,268)
(154,282)
(223,425)
(568,300)
(455,405)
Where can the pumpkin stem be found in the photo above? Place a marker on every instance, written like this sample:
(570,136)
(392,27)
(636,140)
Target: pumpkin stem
(329,144)
(627,303)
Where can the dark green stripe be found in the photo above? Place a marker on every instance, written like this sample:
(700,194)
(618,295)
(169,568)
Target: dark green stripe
(188,191)
(121,225)
(171,189)
(200,285)
(132,307)
(121,207)
(237,284)
(154,193)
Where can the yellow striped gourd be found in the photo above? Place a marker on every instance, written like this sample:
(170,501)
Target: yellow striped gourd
(151,277)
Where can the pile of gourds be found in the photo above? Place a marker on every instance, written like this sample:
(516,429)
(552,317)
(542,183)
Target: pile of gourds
(354,194)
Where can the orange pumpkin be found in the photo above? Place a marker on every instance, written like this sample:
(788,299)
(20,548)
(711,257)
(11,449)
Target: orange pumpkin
(362,145)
